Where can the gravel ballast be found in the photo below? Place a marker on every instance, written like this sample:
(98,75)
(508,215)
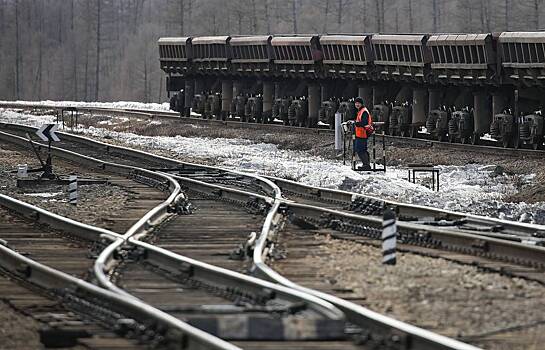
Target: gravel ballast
(455,300)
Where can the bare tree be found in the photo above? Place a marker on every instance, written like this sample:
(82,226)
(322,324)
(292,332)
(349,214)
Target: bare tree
(294,15)
(97,67)
(17,52)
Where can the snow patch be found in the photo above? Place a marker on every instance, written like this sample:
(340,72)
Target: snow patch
(471,188)
(119,105)
(44,194)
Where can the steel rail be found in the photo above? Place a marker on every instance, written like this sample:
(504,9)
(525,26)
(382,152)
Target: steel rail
(326,313)
(421,212)
(271,222)
(54,280)
(273,185)
(266,185)
(367,319)
(396,332)
(168,115)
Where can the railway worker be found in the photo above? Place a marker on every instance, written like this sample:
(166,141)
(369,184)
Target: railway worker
(362,129)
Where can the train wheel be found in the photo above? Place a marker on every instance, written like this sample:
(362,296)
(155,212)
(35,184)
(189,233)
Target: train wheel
(506,142)
(475,138)
(451,138)
(537,145)
(440,136)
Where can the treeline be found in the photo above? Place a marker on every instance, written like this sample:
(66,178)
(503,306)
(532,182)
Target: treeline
(101,50)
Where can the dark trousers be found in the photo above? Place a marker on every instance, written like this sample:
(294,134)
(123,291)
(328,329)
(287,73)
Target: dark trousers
(360,147)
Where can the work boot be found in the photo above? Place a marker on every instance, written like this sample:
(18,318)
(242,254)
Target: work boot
(365,160)
(364,168)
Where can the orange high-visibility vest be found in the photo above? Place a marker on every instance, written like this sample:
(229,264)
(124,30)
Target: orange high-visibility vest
(360,131)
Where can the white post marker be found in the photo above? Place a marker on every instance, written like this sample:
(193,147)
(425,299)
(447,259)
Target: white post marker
(22,171)
(73,189)
(338,132)
(389,233)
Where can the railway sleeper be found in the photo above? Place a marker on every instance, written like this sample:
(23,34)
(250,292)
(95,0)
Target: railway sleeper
(476,247)
(253,316)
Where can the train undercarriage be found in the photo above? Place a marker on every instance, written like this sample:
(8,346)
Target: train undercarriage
(444,113)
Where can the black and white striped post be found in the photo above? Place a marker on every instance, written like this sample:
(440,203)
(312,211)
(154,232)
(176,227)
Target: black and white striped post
(389,233)
(73,189)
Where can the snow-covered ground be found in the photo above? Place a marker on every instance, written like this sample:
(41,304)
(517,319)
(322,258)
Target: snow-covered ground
(471,188)
(121,104)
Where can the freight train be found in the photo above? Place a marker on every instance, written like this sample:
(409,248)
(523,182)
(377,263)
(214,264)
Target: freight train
(454,87)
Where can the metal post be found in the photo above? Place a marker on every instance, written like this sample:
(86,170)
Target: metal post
(374,152)
(384,151)
(338,131)
(389,235)
(353,149)
(73,189)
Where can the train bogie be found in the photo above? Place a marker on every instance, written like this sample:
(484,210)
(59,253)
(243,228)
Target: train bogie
(381,113)
(503,129)
(347,110)
(212,106)
(531,131)
(437,124)
(460,127)
(238,107)
(281,108)
(298,112)
(327,112)
(400,121)
(199,104)
(254,109)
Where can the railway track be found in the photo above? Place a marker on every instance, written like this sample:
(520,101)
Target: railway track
(422,141)
(328,198)
(485,227)
(60,326)
(309,214)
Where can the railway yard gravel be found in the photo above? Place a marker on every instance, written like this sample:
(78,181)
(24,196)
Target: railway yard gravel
(95,202)
(456,300)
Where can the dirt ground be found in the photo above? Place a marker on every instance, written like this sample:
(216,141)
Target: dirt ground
(94,201)
(17,331)
(455,300)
